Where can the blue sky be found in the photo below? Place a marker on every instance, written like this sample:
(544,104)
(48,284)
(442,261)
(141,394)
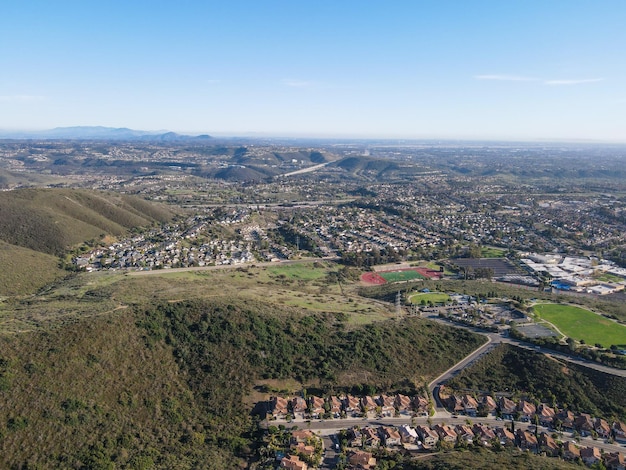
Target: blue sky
(507,69)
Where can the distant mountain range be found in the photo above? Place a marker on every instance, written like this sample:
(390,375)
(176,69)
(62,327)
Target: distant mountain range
(102,133)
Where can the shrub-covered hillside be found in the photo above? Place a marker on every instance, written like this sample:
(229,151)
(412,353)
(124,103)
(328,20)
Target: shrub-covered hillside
(165,386)
(526,373)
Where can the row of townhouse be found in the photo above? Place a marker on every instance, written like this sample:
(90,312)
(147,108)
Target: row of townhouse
(316,407)
(546,415)
(426,438)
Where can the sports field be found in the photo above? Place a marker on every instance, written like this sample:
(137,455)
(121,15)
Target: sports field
(578,323)
(404,275)
(434,297)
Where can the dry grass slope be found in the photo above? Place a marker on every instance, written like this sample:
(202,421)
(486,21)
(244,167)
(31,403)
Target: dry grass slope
(51,220)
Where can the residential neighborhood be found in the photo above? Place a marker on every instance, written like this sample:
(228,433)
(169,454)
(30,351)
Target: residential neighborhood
(540,429)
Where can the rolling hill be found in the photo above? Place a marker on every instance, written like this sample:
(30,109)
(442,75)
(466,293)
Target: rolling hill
(52,220)
(39,225)
(165,386)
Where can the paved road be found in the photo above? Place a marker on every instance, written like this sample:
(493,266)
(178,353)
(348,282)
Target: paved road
(328,428)
(306,170)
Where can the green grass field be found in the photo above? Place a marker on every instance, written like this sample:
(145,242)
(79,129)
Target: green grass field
(490,252)
(578,323)
(434,297)
(396,276)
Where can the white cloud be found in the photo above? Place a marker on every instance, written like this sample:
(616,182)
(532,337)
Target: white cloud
(505,78)
(296,83)
(20,98)
(572,82)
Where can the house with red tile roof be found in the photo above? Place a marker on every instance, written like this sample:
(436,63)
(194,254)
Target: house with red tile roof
(279,407)
(614,461)
(570,451)
(362,460)
(548,445)
(445,432)
(427,436)
(526,439)
(590,455)
(293,462)
(402,403)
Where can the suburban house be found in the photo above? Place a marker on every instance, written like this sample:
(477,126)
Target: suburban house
(614,461)
(301,435)
(293,462)
(505,436)
(352,404)
(570,451)
(279,407)
(470,405)
(526,410)
(335,406)
(584,424)
(368,404)
(445,432)
(387,405)
(548,445)
(408,435)
(316,405)
(364,460)
(421,406)
(526,439)
(489,403)
(298,405)
(455,404)
(566,419)
(371,437)
(619,431)
(464,432)
(303,449)
(428,436)
(546,414)
(602,427)
(390,436)
(484,433)
(508,408)
(590,455)
(402,403)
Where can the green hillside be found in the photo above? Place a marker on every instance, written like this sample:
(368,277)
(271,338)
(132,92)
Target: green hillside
(51,220)
(23,270)
(166,386)
(530,374)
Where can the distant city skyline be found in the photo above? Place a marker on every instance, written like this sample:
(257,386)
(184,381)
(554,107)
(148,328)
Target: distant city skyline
(475,70)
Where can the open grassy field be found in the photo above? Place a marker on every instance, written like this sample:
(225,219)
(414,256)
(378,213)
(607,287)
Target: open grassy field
(307,272)
(396,276)
(491,252)
(310,286)
(434,297)
(579,323)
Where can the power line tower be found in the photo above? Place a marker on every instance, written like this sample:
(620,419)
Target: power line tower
(398,305)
